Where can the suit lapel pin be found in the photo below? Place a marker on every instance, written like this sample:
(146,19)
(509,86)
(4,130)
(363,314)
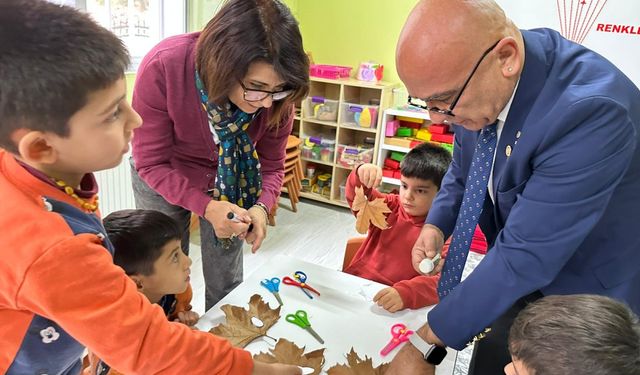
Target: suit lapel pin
(518,134)
(507,151)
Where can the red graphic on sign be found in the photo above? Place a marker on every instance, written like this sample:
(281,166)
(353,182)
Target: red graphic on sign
(578,17)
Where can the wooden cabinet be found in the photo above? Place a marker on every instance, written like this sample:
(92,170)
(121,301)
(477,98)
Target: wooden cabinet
(340,124)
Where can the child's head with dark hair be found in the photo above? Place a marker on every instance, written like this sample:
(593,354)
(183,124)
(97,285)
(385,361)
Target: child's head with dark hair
(147,247)
(422,170)
(426,161)
(575,334)
(53,57)
(256,43)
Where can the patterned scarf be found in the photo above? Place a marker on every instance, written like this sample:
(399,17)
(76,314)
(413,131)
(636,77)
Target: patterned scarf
(238,177)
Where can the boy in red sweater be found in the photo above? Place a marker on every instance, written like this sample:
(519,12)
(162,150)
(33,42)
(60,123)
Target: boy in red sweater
(385,255)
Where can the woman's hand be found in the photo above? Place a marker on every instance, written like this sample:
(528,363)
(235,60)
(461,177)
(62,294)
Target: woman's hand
(259,232)
(216,213)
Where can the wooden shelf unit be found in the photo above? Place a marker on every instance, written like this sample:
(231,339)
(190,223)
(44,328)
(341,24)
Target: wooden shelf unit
(342,91)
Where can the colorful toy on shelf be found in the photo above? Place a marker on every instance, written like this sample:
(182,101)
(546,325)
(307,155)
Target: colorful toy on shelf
(439,128)
(322,185)
(329,71)
(323,109)
(397,156)
(423,135)
(404,132)
(319,148)
(370,71)
(363,115)
(351,156)
(391,128)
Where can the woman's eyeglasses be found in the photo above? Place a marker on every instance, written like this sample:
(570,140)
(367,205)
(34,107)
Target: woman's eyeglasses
(417,102)
(255,95)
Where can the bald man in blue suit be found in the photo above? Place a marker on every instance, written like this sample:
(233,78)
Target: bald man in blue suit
(562,213)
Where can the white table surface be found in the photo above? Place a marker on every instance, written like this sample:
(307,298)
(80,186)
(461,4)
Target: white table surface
(343,315)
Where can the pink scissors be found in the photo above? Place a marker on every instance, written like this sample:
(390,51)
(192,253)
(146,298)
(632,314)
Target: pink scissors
(400,334)
(300,281)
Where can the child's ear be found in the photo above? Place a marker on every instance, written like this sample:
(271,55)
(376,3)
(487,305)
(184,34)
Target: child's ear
(34,146)
(138,280)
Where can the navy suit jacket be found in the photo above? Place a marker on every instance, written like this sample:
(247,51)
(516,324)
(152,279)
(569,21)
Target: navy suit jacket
(566,217)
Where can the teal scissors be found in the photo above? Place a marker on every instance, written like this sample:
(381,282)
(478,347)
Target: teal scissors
(273,286)
(300,319)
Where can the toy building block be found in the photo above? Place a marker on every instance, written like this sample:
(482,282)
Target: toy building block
(423,135)
(398,156)
(439,129)
(444,138)
(391,164)
(403,132)
(391,128)
(387,172)
(410,119)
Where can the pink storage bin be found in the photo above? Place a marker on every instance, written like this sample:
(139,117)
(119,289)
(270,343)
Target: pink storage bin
(329,71)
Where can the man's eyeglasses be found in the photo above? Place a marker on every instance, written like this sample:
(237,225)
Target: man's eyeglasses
(417,102)
(255,95)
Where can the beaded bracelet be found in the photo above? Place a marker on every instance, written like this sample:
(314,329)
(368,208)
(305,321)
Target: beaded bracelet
(264,210)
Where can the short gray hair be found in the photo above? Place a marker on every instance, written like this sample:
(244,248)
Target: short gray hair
(577,334)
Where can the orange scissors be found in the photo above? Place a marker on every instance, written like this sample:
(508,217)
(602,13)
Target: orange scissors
(400,334)
(300,281)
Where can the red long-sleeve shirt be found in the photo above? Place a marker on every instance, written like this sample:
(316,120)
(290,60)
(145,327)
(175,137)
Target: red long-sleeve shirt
(385,255)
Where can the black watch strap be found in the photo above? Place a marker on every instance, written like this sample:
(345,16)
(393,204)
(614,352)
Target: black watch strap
(431,353)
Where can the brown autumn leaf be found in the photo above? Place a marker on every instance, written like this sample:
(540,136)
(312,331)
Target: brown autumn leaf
(290,354)
(239,329)
(357,366)
(369,212)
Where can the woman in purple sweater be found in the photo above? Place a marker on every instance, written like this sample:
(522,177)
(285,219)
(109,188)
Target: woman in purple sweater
(217,108)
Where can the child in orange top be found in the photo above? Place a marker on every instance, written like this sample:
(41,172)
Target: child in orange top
(385,255)
(147,246)
(64,115)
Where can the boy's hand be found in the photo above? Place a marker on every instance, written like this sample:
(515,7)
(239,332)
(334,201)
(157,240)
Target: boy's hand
(217,211)
(370,175)
(189,318)
(428,244)
(389,299)
(261,368)
(259,231)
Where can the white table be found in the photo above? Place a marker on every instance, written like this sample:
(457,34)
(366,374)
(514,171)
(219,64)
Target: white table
(343,315)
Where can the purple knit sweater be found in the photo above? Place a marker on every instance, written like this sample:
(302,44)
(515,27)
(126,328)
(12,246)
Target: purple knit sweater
(174,151)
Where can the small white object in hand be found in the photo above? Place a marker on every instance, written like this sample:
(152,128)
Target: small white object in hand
(306,370)
(427,265)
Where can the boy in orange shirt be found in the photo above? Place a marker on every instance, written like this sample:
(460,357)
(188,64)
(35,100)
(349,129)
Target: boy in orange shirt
(385,255)
(64,115)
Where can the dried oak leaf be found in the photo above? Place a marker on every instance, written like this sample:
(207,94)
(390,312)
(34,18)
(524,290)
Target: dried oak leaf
(289,353)
(239,329)
(369,212)
(357,366)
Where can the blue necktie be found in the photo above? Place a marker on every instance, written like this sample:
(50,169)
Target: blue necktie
(470,210)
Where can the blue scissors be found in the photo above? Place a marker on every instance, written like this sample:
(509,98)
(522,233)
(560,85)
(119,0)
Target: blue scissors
(273,286)
(300,319)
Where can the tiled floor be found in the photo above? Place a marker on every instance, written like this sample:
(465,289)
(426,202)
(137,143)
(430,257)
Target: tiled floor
(317,233)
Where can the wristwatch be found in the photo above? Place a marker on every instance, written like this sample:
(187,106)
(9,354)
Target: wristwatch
(431,353)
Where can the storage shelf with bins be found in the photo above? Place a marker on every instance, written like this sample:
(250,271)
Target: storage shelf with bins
(338,113)
(385,149)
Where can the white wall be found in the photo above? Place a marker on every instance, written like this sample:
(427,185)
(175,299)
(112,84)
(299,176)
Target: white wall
(621,48)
